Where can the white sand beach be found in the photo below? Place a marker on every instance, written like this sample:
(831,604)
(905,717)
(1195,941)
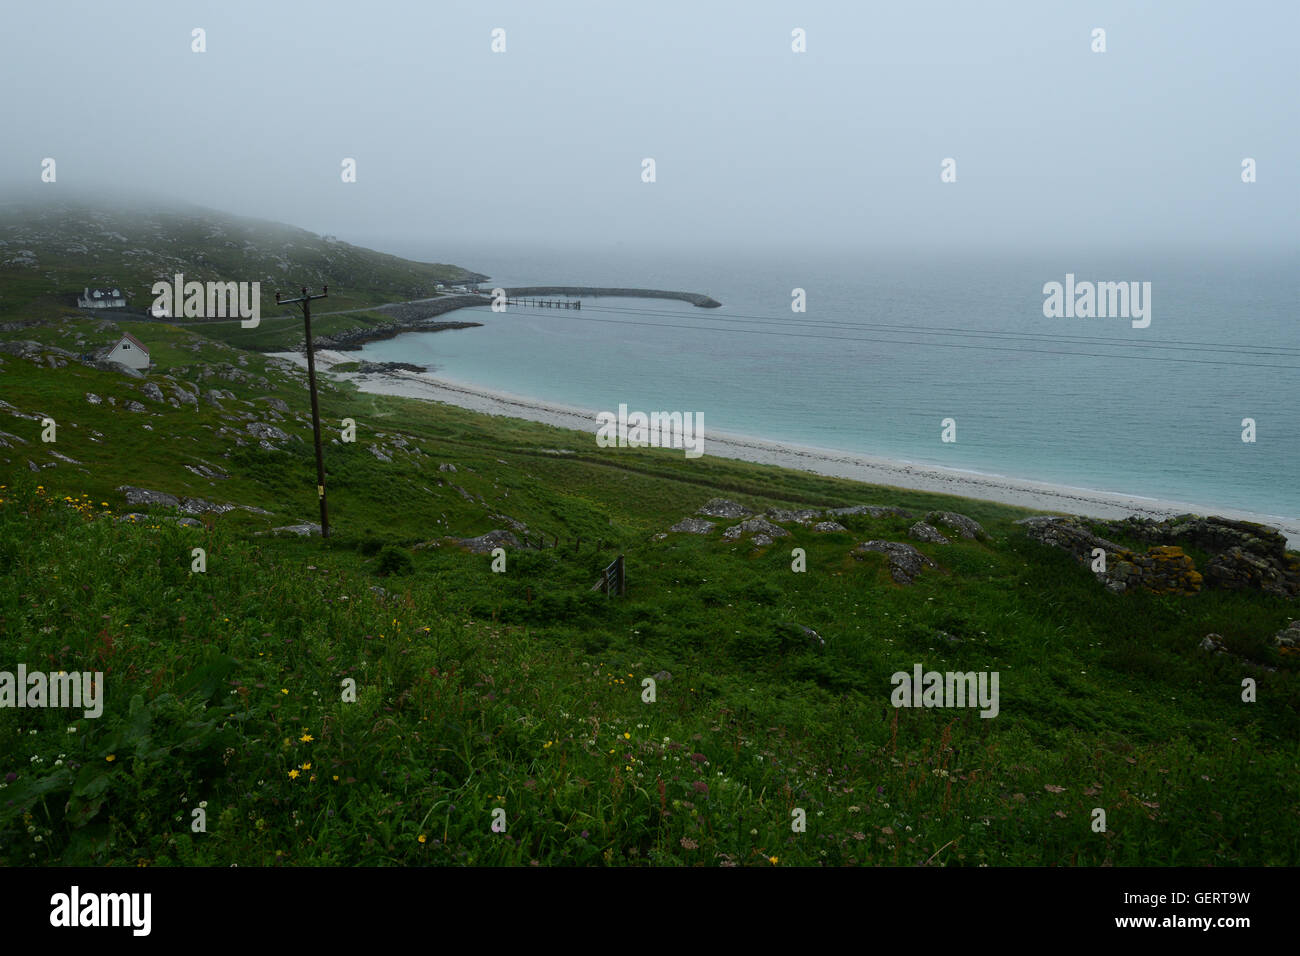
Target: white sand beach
(1034,495)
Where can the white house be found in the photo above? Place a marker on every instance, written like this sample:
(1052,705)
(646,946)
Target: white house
(101,299)
(129,351)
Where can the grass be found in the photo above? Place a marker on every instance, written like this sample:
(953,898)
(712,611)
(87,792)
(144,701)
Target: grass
(523,691)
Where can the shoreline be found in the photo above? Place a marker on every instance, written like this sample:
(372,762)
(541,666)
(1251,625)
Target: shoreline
(1019,492)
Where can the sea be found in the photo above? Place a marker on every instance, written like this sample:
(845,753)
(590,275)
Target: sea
(893,344)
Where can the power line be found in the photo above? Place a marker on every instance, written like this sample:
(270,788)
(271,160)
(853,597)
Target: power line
(1175,344)
(949,345)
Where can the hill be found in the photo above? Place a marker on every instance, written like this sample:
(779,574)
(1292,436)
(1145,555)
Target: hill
(53,248)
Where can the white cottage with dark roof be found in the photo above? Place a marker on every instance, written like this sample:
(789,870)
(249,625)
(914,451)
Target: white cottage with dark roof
(101,299)
(129,351)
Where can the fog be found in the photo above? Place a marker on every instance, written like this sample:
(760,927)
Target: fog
(753,143)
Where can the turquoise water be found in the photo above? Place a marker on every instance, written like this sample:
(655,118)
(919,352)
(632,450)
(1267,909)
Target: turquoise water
(1123,418)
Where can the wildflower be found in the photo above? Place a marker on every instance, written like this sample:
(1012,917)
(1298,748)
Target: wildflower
(336,778)
(773,860)
(306,766)
(626,735)
(306,738)
(284,690)
(111,757)
(421,838)
(293,774)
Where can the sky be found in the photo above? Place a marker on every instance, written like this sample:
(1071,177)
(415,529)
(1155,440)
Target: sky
(753,143)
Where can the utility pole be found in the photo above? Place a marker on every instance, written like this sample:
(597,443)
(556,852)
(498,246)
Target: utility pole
(305,299)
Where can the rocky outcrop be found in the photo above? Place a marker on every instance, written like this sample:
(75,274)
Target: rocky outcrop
(805,516)
(760,527)
(828,527)
(410,317)
(871,511)
(1249,556)
(724,508)
(1287,640)
(486,543)
(926,532)
(966,527)
(1238,569)
(1164,569)
(905,562)
(693,526)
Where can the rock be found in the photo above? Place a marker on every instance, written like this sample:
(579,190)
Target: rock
(185,397)
(214,397)
(813,636)
(1069,534)
(266,432)
(966,527)
(1213,643)
(93,399)
(872,511)
(198,506)
(303,530)
(134,406)
(925,532)
(143,496)
(693,526)
(378,453)
(905,562)
(1251,556)
(663,677)
(755,526)
(514,523)
(828,527)
(279,404)
(7,440)
(485,543)
(446,467)
(207,471)
(121,369)
(1238,569)
(1287,640)
(152,392)
(760,540)
(804,517)
(722,508)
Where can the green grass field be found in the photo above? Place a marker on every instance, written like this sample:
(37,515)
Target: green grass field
(476,692)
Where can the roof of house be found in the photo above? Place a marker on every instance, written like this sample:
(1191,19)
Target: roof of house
(127,336)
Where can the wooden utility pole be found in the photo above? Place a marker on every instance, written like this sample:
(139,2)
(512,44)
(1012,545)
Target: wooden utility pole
(305,299)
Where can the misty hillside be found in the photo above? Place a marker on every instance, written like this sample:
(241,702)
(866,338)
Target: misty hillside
(51,250)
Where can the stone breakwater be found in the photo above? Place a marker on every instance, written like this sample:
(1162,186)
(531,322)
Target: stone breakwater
(414,316)
(694,298)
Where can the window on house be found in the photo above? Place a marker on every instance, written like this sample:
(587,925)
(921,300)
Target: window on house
(125,346)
